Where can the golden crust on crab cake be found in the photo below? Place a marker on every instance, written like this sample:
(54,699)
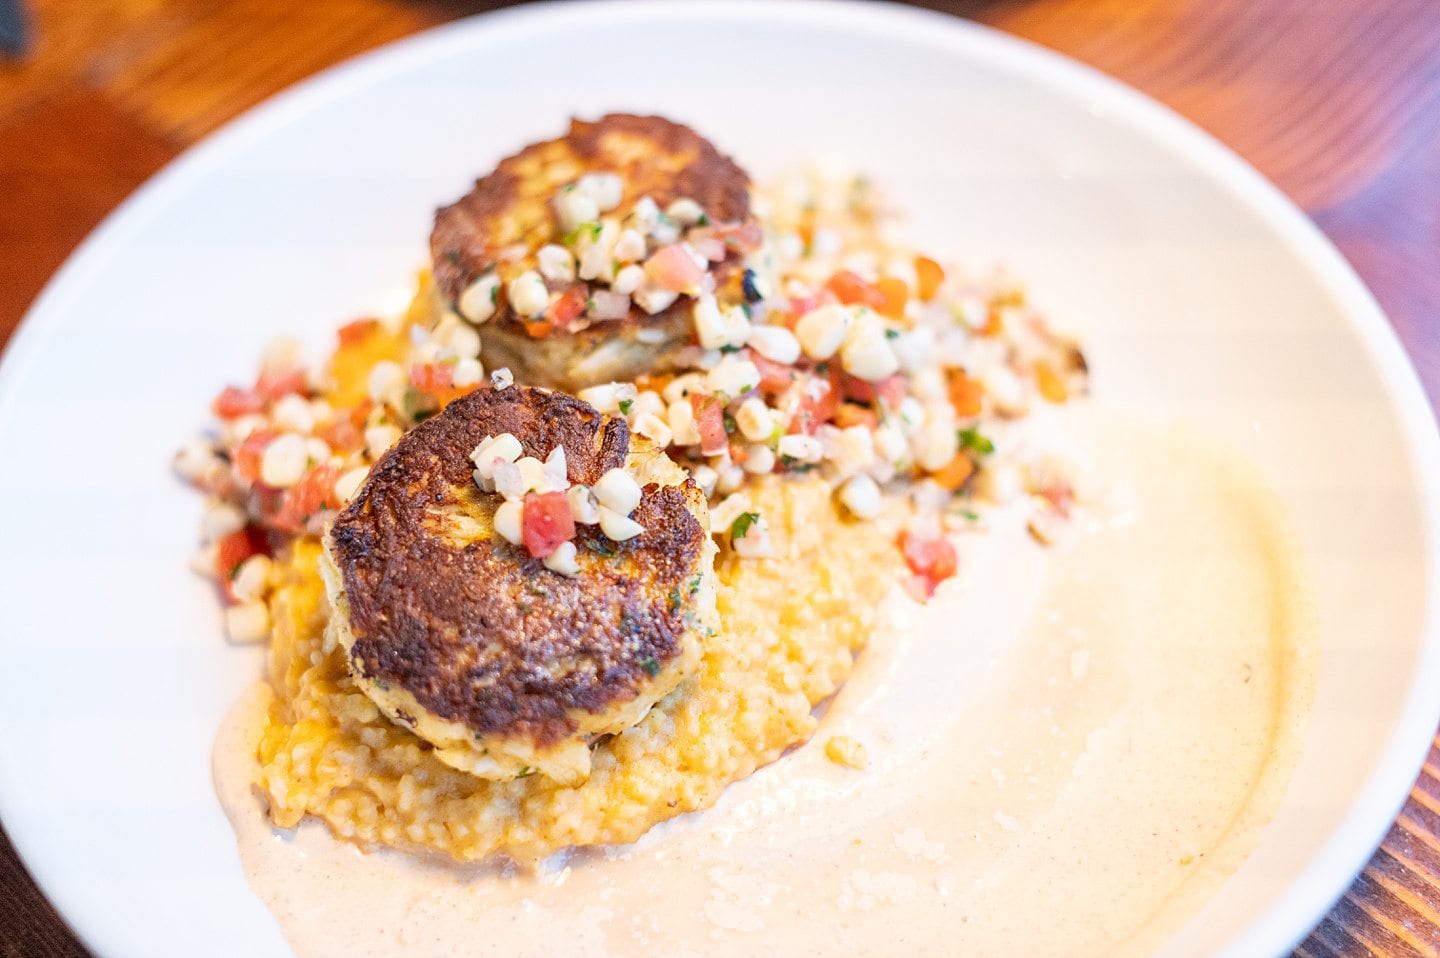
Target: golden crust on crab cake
(501,224)
(506,667)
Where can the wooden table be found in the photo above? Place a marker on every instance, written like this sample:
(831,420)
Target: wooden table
(1337,101)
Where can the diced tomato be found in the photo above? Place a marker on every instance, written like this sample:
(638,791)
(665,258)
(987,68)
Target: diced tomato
(246,456)
(433,378)
(929,276)
(745,236)
(265,503)
(273,384)
(738,453)
(855,389)
(352,334)
(234,401)
(234,549)
(955,473)
(538,328)
(347,433)
(570,304)
(932,560)
(891,389)
(799,306)
(307,497)
(671,267)
(851,290)
(545,522)
(815,411)
(774,377)
(849,414)
(895,294)
(966,394)
(710,422)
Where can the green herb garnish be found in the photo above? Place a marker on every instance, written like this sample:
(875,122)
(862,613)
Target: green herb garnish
(625,405)
(650,666)
(741,526)
(972,439)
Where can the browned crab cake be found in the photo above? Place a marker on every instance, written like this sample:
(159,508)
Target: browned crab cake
(493,235)
(506,667)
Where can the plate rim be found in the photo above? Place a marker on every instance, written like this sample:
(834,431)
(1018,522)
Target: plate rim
(1333,865)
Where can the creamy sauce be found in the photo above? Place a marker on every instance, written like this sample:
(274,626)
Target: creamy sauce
(1070,748)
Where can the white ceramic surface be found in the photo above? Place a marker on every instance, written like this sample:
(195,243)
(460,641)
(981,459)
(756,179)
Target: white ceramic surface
(1200,291)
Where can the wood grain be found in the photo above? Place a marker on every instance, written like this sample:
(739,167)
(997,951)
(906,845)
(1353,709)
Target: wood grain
(1337,101)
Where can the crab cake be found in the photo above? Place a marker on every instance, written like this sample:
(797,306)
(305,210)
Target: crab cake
(584,255)
(504,665)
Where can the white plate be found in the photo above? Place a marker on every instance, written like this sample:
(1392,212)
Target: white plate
(1201,292)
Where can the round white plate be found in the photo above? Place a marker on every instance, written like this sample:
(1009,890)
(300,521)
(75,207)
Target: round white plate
(1200,290)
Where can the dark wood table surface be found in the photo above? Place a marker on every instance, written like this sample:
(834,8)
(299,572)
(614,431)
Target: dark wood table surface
(1337,101)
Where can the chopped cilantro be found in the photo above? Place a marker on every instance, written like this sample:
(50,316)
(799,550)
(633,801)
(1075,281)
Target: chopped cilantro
(650,666)
(892,334)
(970,514)
(625,405)
(594,228)
(674,598)
(603,547)
(525,772)
(972,439)
(494,294)
(741,526)
(730,425)
(704,220)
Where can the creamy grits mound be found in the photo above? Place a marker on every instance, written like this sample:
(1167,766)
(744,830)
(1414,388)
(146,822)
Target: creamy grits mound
(792,623)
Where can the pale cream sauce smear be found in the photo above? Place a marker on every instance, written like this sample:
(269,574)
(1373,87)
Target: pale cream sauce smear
(1069,750)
